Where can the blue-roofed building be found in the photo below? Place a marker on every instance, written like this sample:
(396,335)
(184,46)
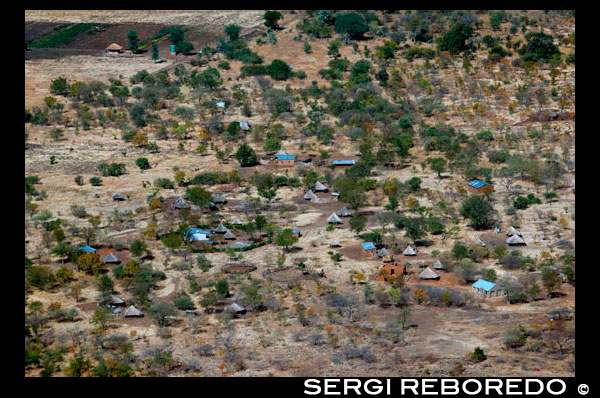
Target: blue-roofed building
(285,159)
(368,248)
(296,232)
(479,187)
(343,163)
(194,234)
(88,249)
(486,288)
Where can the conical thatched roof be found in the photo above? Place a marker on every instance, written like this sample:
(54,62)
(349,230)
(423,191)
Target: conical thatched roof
(218,198)
(181,203)
(334,219)
(118,196)
(383,252)
(221,229)
(512,231)
(409,251)
(515,240)
(319,187)
(438,265)
(281,152)
(343,212)
(114,300)
(235,308)
(132,311)
(237,221)
(335,243)
(229,235)
(310,195)
(428,273)
(114,47)
(111,258)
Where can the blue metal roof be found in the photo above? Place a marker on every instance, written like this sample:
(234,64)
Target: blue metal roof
(478,183)
(286,157)
(88,249)
(368,246)
(208,242)
(483,284)
(296,231)
(343,162)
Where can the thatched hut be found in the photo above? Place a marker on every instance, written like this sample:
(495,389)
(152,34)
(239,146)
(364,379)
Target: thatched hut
(429,274)
(132,312)
(516,240)
(410,251)
(334,219)
(111,258)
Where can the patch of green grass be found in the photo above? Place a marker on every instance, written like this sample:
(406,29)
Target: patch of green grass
(63,36)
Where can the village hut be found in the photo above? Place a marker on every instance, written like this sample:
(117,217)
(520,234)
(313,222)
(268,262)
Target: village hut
(335,243)
(195,234)
(438,265)
(88,249)
(383,253)
(132,312)
(244,125)
(221,229)
(285,160)
(515,240)
(513,231)
(118,196)
(334,219)
(410,251)
(181,203)
(486,288)
(310,195)
(480,187)
(429,274)
(390,269)
(111,259)
(218,198)
(116,301)
(237,221)
(368,248)
(343,212)
(318,187)
(235,308)
(281,152)
(229,235)
(114,48)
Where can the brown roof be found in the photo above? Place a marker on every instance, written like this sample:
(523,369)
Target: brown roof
(114,47)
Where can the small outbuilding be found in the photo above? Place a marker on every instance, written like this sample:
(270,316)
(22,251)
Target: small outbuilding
(486,288)
(391,269)
(480,187)
(344,212)
(221,229)
(335,243)
(410,251)
(111,258)
(334,219)
(229,235)
(237,221)
(133,312)
(181,203)
(516,240)
(512,231)
(244,125)
(368,248)
(116,301)
(343,163)
(439,266)
(114,48)
(218,198)
(118,196)
(88,249)
(235,308)
(318,187)
(429,274)
(310,195)
(285,160)
(383,253)
(296,232)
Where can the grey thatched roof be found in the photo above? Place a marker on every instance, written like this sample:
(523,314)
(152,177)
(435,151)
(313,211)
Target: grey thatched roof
(383,252)
(333,218)
(335,243)
(132,311)
(310,195)
(512,231)
(409,251)
(235,308)
(515,240)
(237,221)
(218,198)
(111,258)
(438,265)
(118,196)
(343,212)
(319,187)
(229,235)
(428,273)
(221,229)
(114,300)
(181,203)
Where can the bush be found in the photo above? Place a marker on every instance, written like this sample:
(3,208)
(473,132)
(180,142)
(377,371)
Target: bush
(455,39)
(478,354)
(142,163)
(478,211)
(351,23)
(183,301)
(114,169)
(39,277)
(279,70)
(96,181)
(246,156)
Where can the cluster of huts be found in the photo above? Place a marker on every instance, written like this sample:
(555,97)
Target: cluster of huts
(322,189)
(204,236)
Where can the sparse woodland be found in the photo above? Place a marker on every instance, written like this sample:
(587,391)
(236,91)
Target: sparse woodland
(423,101)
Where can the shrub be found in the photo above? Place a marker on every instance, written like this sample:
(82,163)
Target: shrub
(40,277)
(114,169)
(246,156)
(96,181)
(351,23)
(142,163)
(279,70)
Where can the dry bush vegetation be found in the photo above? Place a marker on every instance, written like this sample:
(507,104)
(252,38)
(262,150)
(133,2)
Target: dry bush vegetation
(483,115)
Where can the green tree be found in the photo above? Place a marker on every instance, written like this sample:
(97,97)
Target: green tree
(105,284)
(279,70)
(415,228)
(59,86)
(549,280)
(351,23)
(142,163)
(222,287)
(199,196)
(455,39)
(246,156)
(286,238)
(134,43)
(272,18)
(233,31)
(358,223)
(155,54)
(479,211)
(438,165)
